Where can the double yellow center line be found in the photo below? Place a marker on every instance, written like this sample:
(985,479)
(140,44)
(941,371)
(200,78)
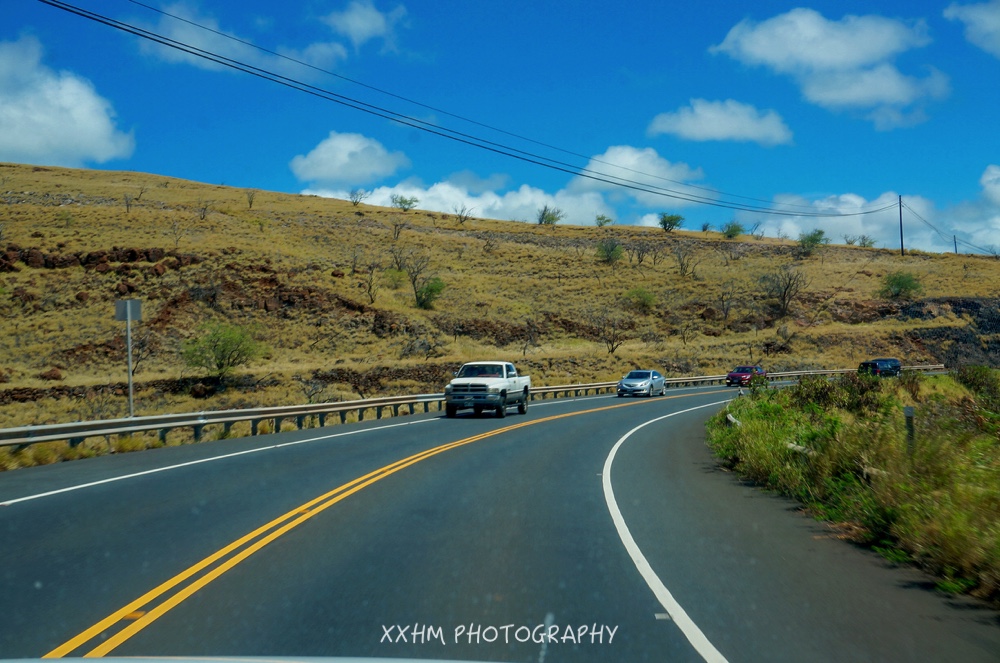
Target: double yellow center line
(121,625)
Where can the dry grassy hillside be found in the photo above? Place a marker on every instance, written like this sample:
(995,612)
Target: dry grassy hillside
(315,281)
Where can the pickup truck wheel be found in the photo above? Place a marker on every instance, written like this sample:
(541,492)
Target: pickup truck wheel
(522,407)
(502,408)
(477,410)
(450,411)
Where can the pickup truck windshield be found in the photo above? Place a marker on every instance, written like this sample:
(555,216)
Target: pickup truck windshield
(480,371)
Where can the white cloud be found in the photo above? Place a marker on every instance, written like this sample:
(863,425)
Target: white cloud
(990,181)
(643,167)
(723,120)
(521,204)
(50,117)
(880,86)
(842,65)
(361,22)
(982,24)
(227,44)
(802,40)
(347,159)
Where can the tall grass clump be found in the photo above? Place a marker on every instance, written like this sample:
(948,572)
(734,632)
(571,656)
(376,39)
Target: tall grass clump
(842,448)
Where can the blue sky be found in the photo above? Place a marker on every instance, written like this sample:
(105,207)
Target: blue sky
(783,110)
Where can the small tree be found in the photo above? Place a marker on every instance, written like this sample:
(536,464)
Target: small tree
(357,196)
(732,230)
(251,195)
(609,251)
(900,285)
(221,348)
(812,241)
(403,203)
(549,216)
(670,222)
(428,291)
(603,220)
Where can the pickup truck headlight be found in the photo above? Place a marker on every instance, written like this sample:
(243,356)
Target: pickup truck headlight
(447,389)
(493,390)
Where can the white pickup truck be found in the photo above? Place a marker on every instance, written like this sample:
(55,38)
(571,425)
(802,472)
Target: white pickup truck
(487,385)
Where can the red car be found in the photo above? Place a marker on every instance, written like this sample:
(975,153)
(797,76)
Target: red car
(741,375)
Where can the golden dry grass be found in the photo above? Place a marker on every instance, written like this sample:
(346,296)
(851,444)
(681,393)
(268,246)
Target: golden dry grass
(284,267)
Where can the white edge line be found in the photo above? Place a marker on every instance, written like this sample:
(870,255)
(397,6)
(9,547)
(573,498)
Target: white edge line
(206,460)
(663,595)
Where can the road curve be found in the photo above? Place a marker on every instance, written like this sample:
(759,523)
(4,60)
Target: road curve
(551,536)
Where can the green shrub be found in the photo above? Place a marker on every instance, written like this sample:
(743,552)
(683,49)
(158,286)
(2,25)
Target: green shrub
(427,293)
(732,230)
(640,300)
(609,251)
(221,348)
(900,285)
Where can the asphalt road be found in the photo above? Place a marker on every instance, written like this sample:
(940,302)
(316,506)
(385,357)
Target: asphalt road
(592,529)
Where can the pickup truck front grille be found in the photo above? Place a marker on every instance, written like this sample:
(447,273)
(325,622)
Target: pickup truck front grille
(469,389)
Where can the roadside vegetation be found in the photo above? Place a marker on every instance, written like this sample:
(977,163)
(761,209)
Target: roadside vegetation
(842,447)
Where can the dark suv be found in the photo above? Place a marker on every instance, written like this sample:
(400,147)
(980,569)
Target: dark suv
(882,368)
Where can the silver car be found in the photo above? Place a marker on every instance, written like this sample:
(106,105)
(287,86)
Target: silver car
(641,383)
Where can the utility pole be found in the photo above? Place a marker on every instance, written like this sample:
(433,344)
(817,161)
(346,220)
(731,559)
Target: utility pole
(901,251)
(954,238)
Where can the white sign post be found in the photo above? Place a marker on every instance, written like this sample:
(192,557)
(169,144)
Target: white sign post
(129,310)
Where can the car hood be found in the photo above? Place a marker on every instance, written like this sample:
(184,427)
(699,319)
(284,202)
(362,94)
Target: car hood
(634,381)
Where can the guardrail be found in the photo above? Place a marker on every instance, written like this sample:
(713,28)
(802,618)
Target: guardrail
(76,432)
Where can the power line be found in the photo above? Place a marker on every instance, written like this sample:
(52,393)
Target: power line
(435,129)
(308,65)
(953,238)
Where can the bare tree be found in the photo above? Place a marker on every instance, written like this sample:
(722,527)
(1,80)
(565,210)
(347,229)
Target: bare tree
(532,332)
(491,242)
(128,202)
(142,347)
(142,190)
(463,213)
(686,259)
(177,231)
(398,257)
(358,196)
(612,330)
(656,250)
(398,226)
(370,280)
(251,194)
(729,292)
(784,285)
(731,251)
(357,257)
(203,207)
